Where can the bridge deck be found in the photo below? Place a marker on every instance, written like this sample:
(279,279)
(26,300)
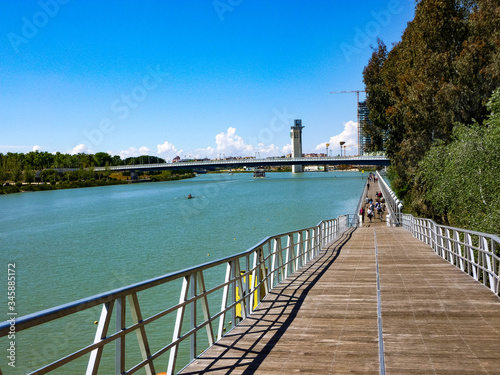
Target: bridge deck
(435,319)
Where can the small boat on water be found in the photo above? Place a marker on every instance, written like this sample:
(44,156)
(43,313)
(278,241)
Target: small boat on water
(259,173)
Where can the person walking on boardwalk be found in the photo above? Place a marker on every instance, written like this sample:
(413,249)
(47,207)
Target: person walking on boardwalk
(367,186)
(379,210)
(370,214)
(362,213)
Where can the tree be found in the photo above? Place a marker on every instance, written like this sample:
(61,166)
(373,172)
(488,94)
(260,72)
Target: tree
(102,158)
(441,72)
(377,97)
(458,181)
(116,160)
(29,176)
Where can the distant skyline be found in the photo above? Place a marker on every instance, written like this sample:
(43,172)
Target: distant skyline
(191,78)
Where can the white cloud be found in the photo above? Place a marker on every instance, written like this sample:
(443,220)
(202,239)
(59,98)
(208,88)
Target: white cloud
(132,151)
(287,149)
(349,136)
(81,148)
(167,150)
(231,144)
(165,147)
(36,148)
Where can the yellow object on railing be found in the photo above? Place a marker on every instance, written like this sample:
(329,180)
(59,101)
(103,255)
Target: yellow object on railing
(245,291)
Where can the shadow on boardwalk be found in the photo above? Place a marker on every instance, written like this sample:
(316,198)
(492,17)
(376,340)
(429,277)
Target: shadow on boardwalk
(245,348)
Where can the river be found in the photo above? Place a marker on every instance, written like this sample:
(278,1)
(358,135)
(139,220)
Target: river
(70,244)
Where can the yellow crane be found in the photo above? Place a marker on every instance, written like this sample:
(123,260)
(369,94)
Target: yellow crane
(357,101)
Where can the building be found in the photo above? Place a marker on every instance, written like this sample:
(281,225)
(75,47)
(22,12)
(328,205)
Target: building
(364,122)
(296,135)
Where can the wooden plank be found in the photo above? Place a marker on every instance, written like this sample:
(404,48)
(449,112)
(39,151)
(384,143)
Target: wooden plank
(322,320)
(435,318)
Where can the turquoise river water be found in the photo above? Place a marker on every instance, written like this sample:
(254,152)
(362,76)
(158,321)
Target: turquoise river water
(71,244)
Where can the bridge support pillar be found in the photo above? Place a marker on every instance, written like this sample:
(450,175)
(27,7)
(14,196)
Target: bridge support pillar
(296,135)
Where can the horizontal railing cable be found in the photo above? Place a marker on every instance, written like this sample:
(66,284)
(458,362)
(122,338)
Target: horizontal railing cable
(475,253)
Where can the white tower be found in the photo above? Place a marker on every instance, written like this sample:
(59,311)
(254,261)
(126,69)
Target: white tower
(296,134)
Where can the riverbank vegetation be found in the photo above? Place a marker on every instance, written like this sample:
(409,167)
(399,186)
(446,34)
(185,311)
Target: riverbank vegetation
(37,171)
(435,107)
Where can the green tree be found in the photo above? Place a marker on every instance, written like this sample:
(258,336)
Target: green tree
(377,97)
(102,158)
(116,160)
(29,176)
(3,168)
(457,182)
(443,70)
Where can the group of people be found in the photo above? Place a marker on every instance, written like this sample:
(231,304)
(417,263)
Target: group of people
(373,208)
(372,177)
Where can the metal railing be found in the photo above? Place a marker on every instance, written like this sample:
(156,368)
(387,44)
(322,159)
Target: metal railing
(393,204)
(475,253)
(362,160)
(241,281)
(361,201)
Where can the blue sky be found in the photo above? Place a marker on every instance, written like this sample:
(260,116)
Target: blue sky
(187,77)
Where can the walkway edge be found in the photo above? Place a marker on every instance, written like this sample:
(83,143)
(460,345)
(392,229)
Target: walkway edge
(379,311)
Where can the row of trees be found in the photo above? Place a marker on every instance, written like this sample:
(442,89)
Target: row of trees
(23,167)
(429,93)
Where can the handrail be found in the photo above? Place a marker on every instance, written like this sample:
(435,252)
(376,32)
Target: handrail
(247,278)
(361,199)
(218,162)
(393,204)
(475,253)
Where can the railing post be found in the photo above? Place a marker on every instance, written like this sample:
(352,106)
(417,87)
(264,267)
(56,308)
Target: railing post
(205,307)
(142,338)
(449,247)
(192,340)
(234,275)
(225,295)
(306,248)
(299,251)
(243,303)
(495,267)
(439,241)
(120,343)
(315,242)
(289,243)
(472,258)
(273,262)
(491,280)
(102,329)
(248,285)
(429,233)
(458,249)
(178,325)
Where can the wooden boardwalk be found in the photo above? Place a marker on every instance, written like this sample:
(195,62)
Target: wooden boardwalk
(323,320)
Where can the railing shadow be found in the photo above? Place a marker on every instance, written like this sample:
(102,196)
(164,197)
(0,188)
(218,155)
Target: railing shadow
(272,317)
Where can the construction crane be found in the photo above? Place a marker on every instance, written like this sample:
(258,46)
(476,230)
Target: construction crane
(357,101)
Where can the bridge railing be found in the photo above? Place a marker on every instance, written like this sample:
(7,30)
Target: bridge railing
(204,310)
(393,204)
(250,162)
(361,201)
(475,253)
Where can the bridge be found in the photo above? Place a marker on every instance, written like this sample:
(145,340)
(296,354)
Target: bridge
(395,294)
(236,163)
